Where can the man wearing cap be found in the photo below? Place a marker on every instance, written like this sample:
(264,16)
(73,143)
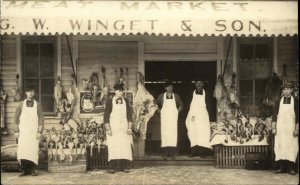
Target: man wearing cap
(198,124)
(118,124)
(29,123)
(285,126)
(170,105)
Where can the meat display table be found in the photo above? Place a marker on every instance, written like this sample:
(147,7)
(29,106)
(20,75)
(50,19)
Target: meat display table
(232,154)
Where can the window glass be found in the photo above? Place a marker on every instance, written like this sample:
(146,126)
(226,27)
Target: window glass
(39,71)
(259,108)
(254,70)
(246,88)
(246,70)
(260,86)
(47,86)
(31,57)
(47,57)
(246,52)
(246,103)
(262,69)
(261,52)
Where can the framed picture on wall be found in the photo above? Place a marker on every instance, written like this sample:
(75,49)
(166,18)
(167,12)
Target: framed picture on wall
(91,103)
(127,94)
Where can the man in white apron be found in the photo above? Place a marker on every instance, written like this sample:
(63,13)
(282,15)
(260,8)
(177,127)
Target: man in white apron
(170,105)
(285,126)
(198,124)
(29,123)
(118,124)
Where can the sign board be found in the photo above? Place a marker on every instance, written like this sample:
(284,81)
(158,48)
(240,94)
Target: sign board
(150,17)
(90,104)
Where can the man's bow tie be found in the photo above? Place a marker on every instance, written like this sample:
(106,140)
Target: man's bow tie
(29,103)
(287,100)
(199,92)
(169,96)
(119,101)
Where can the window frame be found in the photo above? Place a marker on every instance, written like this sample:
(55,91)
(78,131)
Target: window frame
(40,40)
(254,41)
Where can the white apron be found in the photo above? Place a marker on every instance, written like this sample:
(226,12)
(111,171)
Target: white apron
(28,145)
(169,118)
(119,144)
(199,129)
(286,145)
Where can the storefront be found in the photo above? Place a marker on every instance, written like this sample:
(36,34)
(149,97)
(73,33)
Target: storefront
(180,40)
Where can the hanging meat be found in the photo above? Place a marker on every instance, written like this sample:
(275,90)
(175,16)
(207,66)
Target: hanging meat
(272,93)
(94,86)
(85,83)
(220,89)
(16,91)
(2,112)
(232,90)
(103,82)
(126,78)
(143,106)
(117,78)
(58,93)
(104,87)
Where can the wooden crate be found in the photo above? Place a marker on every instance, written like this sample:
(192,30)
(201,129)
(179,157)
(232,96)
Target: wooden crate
(234,156)
(98,160)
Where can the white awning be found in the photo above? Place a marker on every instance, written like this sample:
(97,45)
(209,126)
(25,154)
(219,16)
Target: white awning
(249,18)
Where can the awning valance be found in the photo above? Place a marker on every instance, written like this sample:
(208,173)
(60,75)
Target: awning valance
(263,18)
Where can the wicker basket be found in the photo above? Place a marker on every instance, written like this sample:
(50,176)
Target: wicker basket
(234,156)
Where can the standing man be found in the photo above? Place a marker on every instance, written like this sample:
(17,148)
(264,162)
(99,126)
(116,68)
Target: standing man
(170,105)
(285,126)
(29,123)
(118,124)
(198,124)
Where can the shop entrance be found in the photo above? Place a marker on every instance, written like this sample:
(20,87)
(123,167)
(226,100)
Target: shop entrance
(183,73)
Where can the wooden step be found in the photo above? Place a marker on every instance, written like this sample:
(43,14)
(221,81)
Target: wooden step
(178,161)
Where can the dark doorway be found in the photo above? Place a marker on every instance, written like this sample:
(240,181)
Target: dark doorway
(183,74)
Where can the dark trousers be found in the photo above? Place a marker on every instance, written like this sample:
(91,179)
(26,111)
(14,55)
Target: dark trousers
(169,151)
(27,165)
(286,165)
(199,150)
(119,164)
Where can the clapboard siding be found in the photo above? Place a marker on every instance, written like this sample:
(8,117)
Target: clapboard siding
(9,49)
(202,46)
(112,55)
(288,55)
(9,71)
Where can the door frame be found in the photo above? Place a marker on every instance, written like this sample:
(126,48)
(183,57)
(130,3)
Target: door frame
(215,62)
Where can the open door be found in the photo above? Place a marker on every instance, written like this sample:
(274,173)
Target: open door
(183,74)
